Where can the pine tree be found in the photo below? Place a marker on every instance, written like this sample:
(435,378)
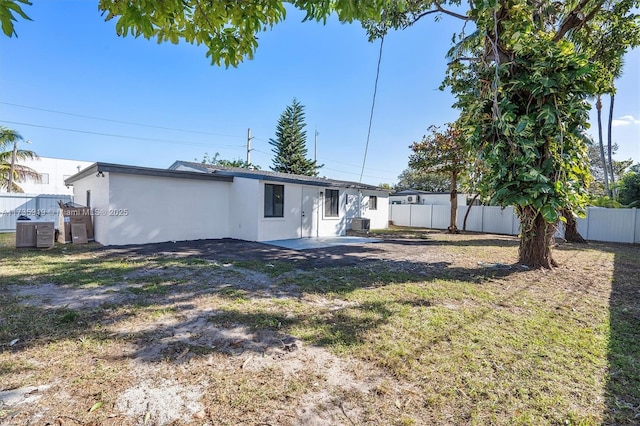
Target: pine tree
(290,145)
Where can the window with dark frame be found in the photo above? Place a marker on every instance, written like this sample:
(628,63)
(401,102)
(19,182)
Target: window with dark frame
(373,202)
(331,202)
(273,200)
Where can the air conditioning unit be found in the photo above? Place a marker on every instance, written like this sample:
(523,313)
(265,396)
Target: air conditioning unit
(360,224)
(413,199)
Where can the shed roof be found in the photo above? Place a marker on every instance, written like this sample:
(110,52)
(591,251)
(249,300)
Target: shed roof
(273,176)
(97,168)
(417,192)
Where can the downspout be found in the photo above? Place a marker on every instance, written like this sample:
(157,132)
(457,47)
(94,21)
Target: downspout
(319,206)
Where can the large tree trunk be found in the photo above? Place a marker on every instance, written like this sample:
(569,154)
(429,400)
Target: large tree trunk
(453,228)
(609,142)
(601,142)
(466,215)
(536,239)
(571,233)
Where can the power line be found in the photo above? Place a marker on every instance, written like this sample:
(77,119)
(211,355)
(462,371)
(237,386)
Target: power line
(355,165)
(261,151)
(373,104)
(337,170)
(119,121)
(332,161)
(123,136)
(355,174)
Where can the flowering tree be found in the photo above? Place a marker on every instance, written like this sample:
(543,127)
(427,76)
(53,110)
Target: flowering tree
(443,152)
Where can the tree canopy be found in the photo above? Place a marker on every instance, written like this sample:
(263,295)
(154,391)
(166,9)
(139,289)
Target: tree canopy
(410,178)
(630,187)
(522,80)
(229,29)
(597,188)
(443,152)
(215,160)
(8,11)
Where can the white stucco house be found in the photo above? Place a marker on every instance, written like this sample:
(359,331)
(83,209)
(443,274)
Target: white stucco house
(410,196)
(53,172)
(190,201)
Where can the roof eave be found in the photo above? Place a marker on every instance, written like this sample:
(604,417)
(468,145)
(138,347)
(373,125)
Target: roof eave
(98,168)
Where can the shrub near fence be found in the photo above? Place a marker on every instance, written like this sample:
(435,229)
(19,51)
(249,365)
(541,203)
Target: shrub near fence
(35,206)
(600,224)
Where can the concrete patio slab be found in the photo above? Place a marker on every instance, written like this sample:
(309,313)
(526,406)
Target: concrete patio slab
(322,242)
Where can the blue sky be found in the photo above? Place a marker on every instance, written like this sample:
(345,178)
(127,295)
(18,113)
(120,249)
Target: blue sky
(68,60)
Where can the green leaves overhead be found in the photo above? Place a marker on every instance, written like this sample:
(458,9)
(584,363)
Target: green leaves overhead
(8,11)
(228,28)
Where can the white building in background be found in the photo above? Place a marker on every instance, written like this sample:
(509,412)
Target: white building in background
(410,196)
(53,172)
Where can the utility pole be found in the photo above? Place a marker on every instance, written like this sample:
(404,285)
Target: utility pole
(249,146)
(315,148)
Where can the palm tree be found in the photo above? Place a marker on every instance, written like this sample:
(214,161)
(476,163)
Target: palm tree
(601,144)
(616,72)
(9,154)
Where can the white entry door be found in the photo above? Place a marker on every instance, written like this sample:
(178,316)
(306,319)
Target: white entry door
(308,212)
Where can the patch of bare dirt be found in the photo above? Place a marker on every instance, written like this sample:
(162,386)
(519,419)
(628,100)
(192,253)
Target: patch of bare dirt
(182,363)
(154,389)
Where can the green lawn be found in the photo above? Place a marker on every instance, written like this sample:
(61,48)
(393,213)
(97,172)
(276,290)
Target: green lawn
(428,329)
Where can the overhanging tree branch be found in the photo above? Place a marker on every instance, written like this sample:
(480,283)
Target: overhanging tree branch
(440,9)
(465,58)
(577,18)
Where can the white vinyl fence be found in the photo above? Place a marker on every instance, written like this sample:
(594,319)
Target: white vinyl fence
(601,224)
(34,206)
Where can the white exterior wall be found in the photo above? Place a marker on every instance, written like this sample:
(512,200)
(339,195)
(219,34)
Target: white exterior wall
(162,209)
(291,225)
(288,226)
(379,218)
(137,209)
(99,187)
(245,209)
(429,199)
(402,199)
(332,226)
(56,169)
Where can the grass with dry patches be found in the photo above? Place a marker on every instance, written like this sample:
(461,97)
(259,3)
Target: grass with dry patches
(474,339)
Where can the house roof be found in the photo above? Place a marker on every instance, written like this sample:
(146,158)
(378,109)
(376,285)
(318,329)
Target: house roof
(97,168)
(273,176)
(416,192)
